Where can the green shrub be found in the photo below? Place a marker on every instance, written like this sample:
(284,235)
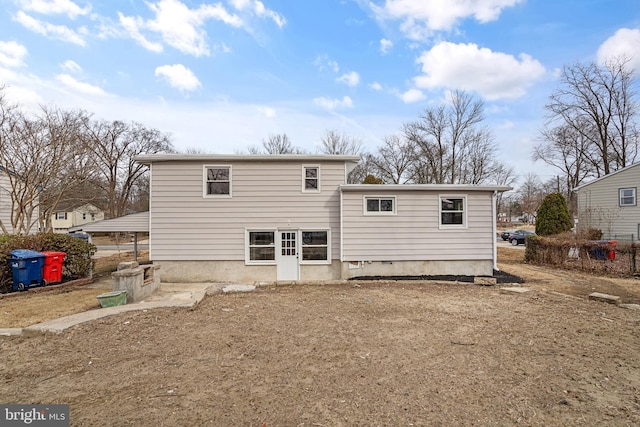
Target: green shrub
(553,216)
(77,264)
(370,179)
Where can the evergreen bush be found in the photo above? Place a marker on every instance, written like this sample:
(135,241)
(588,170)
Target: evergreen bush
(553,216)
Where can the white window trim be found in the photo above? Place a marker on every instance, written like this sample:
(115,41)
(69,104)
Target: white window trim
(394,211)
(465,209)
(304,178)
(247,251)
(635,197)
(316,262)
(204,182)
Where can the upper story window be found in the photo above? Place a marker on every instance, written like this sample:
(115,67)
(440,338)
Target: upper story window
(627,196)
(61,215)
(380,205)
(453,212)
(84,215)
(311,179)
(217,181)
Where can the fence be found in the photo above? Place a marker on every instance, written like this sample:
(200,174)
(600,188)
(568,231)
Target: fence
(611,257)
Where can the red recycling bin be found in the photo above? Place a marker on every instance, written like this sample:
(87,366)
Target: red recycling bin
(611,254)
(52,268)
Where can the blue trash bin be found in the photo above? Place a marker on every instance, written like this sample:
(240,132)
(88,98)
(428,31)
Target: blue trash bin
(26,268)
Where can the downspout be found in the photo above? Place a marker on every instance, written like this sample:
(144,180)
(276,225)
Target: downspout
(341,236)
(494,230)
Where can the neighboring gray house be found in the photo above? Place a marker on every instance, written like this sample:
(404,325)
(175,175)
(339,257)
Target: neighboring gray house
(293,217)
(610,204)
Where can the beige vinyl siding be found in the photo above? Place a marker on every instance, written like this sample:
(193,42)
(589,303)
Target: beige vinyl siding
(5,202)
(265,196)
(598,204)
(414,233)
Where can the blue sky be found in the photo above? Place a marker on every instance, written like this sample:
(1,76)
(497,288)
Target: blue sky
(221,76)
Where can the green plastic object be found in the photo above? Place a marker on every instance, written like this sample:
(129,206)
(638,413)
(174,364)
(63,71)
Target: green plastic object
(113,298)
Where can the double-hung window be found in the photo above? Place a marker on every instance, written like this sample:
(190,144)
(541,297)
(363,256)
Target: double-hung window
(627,196)
(61,215)
(380,205)
(217,181)
(453,212)
(262,247)
(311,179)
(315,246)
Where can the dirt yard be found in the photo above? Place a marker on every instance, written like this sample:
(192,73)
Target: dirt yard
(379,354)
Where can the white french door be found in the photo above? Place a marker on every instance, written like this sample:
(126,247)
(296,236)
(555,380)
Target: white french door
(287,257)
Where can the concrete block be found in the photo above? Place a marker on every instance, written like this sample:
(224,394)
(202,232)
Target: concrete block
(485,281)
(238,288)
(126,265)
(610,299)
(514,290)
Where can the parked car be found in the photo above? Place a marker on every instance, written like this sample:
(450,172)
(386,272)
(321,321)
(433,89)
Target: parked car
(519,237)
(81,235)
(505,234)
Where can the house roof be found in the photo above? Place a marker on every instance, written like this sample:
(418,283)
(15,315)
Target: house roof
(579,187)
(73,206)
(138,222)
(423,187)
(153,158)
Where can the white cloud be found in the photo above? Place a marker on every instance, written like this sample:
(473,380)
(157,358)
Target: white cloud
(625,43)
(493,75)
(260,10)
(267,112)
(59,32)
(375,86)
(51,7)
(132,26)
(12,54)
(80,87)
(420,18)
(71,66)
(351,79)
(332,104)
(182,27)
(385,45)
(179,77)
(323,62)
(412,95)
(179,26)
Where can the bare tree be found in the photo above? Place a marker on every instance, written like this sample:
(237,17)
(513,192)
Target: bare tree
(395,160)
(334,143)
(531,195)
(452,145)
(598,103)
(38,156)
(566,150)
(278,144)
(113,146)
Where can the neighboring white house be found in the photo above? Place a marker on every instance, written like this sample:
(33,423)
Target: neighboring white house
(5,201)
(293,217)
(66,217)
(610,204)
(6,206)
